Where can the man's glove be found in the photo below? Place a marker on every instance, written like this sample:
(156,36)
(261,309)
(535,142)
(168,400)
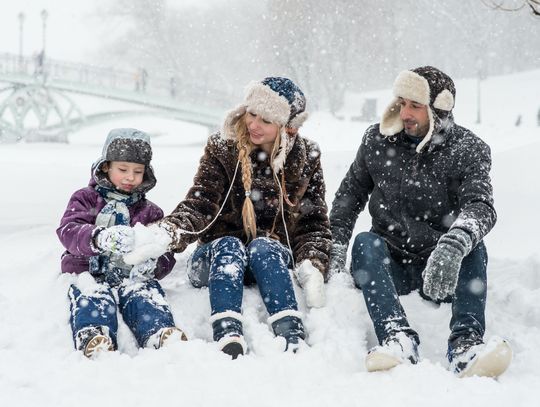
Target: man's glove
(338,258)
(312,281)
(443,265)
(143,271)
(116,239)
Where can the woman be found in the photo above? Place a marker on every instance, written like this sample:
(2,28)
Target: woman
(257,207)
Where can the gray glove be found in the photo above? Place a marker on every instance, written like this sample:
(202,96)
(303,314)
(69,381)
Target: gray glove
(443,265)
(116,239)
(338,258)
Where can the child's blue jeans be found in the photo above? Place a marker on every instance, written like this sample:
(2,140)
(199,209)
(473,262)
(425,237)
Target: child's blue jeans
(142,304)
(225,265)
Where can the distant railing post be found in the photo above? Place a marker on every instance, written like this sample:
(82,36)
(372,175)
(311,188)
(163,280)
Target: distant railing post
(21,23)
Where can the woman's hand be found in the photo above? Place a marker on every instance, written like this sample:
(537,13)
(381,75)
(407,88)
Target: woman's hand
(312,281)
(150,243)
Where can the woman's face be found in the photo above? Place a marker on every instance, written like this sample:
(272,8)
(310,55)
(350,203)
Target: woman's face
(262,133)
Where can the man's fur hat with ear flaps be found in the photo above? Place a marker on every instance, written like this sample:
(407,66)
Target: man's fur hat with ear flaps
(426,85)
(278,100)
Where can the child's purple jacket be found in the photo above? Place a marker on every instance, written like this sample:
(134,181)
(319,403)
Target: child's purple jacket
(77,227)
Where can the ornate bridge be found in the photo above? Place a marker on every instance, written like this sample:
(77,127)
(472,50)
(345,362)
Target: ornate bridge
(36,101)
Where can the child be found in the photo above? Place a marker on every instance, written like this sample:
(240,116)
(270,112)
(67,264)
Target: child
(96,232)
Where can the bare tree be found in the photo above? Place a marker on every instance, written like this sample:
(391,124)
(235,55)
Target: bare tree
(534,5)
(328,47)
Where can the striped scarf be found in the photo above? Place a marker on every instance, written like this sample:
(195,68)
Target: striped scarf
(110,267)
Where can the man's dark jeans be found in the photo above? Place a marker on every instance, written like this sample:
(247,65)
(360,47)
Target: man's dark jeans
(383,279)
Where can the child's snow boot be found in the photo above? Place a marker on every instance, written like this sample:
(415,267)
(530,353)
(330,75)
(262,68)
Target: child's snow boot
(165,335)
(228,333)
(396,349)
(93,340)
(470,356)
(287,324)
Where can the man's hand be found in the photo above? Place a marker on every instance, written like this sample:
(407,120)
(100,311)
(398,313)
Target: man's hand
(338,258)
(443,265)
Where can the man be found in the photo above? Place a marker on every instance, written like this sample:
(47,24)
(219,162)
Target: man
(430,198)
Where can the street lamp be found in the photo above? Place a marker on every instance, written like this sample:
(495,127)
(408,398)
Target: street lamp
(44,16)
(21,22)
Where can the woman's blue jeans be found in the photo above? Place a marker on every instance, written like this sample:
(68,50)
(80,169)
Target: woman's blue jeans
(383,279)
(225,265)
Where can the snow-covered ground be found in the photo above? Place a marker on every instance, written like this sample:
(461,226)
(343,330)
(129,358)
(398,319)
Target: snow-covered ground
(38,366)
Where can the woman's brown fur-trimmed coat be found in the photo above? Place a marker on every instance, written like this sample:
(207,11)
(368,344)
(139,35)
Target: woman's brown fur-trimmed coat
(307,220)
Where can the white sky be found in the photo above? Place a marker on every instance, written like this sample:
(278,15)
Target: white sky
(73,30)
(69,30)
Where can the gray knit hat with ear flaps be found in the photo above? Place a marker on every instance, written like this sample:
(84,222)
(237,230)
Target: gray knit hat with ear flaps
(276,99)
(128,145)
(426,85)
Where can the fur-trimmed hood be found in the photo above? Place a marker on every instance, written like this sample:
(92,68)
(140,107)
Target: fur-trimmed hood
(426,85)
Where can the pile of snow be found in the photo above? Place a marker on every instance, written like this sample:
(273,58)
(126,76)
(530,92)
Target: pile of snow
(38,366)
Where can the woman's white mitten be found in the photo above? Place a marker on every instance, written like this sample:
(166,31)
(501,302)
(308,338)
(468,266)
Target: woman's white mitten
(150,243)
(312,281)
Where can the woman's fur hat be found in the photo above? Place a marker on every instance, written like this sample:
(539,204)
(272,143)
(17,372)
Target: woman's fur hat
(278,100)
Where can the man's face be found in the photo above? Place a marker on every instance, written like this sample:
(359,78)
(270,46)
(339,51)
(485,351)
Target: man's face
(415,117)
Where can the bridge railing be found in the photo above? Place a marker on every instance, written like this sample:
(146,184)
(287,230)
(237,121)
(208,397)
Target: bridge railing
(46,69)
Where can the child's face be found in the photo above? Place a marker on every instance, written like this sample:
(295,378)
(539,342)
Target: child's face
(124,175)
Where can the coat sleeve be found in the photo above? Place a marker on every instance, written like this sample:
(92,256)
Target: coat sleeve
(475,193)
(77,226)
(351,197)
(313,239)
(202,201)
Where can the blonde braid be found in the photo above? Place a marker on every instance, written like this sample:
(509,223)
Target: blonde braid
(244,150)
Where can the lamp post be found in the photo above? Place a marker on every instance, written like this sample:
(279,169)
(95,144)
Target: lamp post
(44,15)
(479,77)
(21,22)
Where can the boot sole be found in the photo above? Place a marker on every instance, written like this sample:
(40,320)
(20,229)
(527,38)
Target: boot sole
(234,349)
(491,364)
(98,344)
(167,333)
(376,362)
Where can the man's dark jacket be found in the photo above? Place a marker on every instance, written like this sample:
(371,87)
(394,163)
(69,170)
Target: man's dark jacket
(414,197)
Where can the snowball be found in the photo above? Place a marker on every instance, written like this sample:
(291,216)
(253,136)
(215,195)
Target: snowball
(150,243)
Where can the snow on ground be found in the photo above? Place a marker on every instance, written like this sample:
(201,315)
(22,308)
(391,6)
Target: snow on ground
(38,366)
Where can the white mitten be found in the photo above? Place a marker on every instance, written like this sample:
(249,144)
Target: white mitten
(150,243)
(115,239)
(312,281)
